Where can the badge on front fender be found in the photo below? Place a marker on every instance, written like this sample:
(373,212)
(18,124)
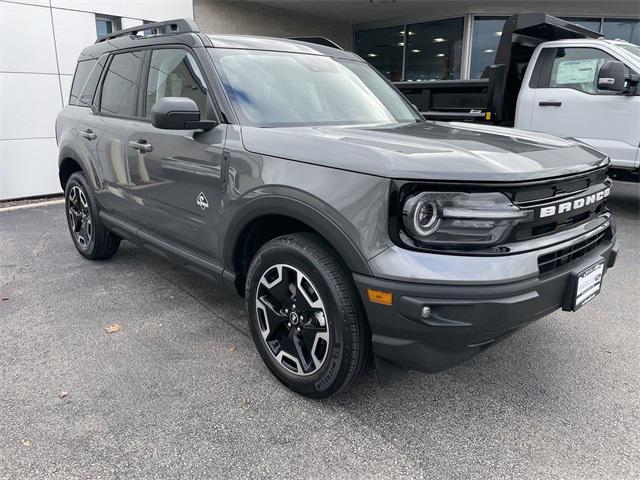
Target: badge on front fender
(202,201)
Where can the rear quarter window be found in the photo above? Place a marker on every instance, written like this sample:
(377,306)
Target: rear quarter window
(83,69)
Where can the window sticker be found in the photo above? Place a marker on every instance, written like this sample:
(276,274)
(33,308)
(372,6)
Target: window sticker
(576,71)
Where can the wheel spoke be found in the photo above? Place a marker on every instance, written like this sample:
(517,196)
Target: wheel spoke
(273,319)
(292,319)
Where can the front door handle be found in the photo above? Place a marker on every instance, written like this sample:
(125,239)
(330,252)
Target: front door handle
(88,134)
(550,104)
(141,145)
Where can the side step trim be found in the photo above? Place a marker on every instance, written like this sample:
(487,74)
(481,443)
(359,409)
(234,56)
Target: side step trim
(170,250)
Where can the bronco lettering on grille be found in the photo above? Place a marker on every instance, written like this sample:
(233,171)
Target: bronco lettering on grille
(576,204)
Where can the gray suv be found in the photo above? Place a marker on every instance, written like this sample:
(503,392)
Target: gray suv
(296,176)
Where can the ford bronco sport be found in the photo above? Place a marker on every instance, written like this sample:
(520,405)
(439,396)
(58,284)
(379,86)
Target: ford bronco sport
(295,175)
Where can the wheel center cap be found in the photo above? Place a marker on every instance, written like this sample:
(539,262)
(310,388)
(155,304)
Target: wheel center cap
(293,318)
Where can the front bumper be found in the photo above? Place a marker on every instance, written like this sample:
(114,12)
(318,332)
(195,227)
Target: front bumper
(466,317)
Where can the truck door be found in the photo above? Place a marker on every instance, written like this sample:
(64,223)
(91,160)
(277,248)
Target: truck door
(176,174)
(568,102)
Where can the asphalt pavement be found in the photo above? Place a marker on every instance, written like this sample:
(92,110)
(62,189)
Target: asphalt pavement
(180,392)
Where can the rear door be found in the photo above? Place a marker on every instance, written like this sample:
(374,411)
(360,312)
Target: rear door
(174,175)
(116,110)
(568,102)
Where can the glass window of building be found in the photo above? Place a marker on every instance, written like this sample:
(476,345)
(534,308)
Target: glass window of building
(622,28)
(486,37)
(434,50)
(383,49)
(590,23)
(104,26)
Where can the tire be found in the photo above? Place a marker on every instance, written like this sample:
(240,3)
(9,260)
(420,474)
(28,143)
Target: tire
(89,235)
(301,302)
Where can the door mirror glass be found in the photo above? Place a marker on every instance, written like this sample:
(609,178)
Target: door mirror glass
(611,77)
(178,113)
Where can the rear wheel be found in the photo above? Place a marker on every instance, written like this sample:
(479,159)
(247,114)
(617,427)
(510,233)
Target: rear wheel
(91,238)
(305,316)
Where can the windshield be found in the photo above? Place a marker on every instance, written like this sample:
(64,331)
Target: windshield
(289,89)
(631,48)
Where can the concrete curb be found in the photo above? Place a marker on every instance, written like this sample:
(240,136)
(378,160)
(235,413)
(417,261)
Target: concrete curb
(33,205)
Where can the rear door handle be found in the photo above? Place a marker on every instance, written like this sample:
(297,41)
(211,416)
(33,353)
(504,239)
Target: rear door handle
(88,134)
(141,145)
(550,104)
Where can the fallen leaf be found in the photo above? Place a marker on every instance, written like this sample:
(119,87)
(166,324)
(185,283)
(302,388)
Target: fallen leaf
(232,348)
(26,442)
(113,328)
(63,394)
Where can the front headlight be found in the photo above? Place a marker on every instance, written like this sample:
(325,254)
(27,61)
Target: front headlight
(462,220)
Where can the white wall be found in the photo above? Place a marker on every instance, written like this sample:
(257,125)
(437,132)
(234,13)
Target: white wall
(40,41)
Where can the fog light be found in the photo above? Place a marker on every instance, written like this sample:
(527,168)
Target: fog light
(426,313)
(378,296)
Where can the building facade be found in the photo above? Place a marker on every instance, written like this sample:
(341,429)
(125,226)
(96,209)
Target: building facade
(40,41)
(415,40)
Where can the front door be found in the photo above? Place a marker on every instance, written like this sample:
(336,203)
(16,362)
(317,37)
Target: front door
(570,104)
(175,174)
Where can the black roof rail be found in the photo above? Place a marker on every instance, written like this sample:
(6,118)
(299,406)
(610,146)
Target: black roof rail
(180,25)
(318,41)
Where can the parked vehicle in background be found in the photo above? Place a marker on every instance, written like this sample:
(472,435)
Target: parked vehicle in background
(555,77)
(295,175)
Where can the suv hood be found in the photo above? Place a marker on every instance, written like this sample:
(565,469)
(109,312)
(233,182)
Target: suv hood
(429,151)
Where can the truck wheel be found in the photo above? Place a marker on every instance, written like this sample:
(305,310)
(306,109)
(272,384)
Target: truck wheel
(89,235)
(305,316)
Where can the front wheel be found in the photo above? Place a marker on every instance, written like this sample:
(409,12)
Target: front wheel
(305,316)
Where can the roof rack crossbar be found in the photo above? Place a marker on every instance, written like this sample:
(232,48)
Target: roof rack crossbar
(181,25)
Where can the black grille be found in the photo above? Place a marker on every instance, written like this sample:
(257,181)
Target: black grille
(558,222)
(551,261)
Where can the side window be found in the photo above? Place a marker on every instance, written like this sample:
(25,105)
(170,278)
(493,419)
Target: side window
(577,68)
(175,73)
(122,84)
(79,79)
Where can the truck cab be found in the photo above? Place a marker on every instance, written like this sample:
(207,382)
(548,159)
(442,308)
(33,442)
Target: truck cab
(560,95)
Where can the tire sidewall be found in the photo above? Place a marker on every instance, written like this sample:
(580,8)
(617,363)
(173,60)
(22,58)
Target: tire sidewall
(321,382)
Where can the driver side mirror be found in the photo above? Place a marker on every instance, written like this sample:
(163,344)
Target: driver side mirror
(611,77)
(178,113)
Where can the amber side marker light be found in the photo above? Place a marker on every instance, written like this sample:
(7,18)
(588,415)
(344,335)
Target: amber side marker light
(378,296)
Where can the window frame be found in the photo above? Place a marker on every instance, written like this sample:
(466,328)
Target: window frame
(96,107)
(463,45)
(543,79)
(77,103)
(144,78)
(466,45)
(116,23)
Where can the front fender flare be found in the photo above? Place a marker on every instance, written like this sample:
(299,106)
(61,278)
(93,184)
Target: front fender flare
(301,211)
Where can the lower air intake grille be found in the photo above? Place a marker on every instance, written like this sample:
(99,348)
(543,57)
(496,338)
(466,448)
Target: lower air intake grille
(550,261)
